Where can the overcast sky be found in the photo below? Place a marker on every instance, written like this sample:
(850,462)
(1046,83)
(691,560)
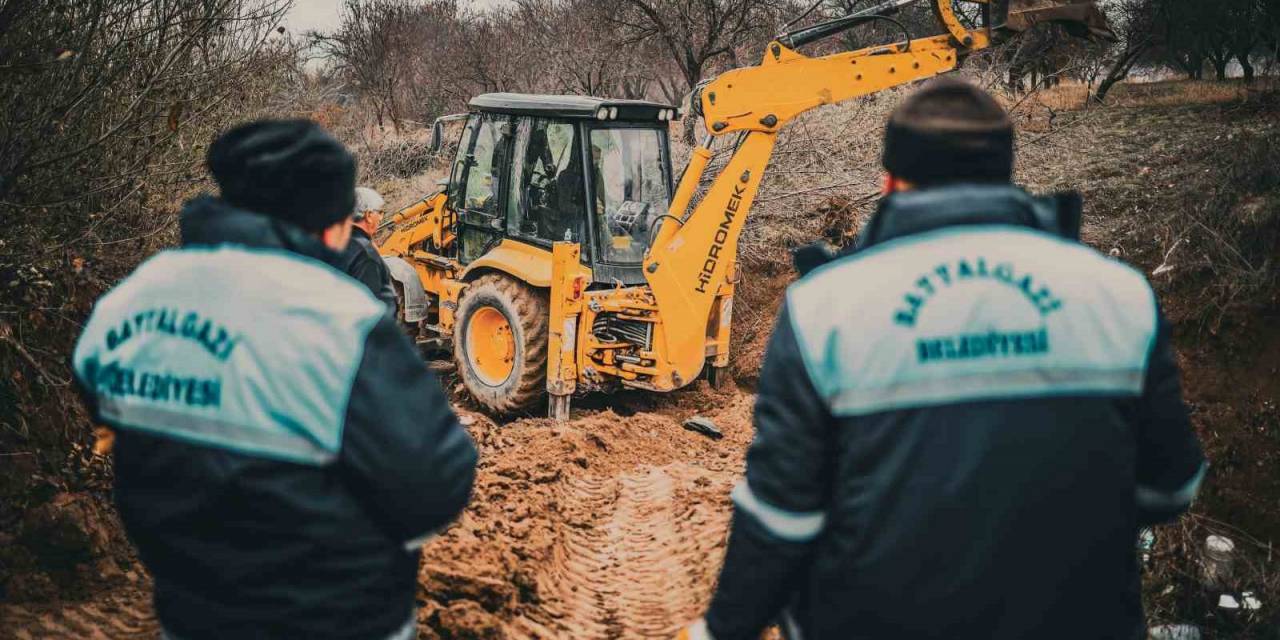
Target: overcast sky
(322,15)
(313,15)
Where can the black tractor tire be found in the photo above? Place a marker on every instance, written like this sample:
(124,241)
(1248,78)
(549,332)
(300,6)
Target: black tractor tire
(527,311)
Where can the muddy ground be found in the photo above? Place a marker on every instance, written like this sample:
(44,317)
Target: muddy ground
(608,526)
(613,525)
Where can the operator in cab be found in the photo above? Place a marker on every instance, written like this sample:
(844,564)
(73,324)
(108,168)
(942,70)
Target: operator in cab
(281,451)
(962,425)
(361,260)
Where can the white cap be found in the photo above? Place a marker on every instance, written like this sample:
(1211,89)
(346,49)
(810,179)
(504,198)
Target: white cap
(367,200)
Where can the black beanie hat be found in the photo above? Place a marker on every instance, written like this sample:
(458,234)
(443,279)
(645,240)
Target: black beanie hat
(286,169)
(949,131)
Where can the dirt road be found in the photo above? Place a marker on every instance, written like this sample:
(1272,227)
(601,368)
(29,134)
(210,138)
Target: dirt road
(122,615)
(611,525)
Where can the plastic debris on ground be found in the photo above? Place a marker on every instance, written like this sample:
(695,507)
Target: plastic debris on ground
(704,426)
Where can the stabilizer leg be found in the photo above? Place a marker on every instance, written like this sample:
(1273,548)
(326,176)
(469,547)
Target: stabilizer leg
(719,377)
(558,407)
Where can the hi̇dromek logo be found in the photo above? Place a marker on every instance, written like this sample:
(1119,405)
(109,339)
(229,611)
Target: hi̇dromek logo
(722,236)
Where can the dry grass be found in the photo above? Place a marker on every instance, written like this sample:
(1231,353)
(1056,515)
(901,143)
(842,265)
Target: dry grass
(402,192)
(1165,93)
(1175,589)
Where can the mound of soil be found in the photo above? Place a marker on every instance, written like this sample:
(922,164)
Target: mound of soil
(610,525)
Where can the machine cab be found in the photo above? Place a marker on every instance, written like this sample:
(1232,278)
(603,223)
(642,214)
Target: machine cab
(538,169)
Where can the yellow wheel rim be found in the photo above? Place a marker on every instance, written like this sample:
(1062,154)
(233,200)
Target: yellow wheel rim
(491,347)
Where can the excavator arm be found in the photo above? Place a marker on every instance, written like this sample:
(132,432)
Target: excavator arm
(693,254)
(431,220)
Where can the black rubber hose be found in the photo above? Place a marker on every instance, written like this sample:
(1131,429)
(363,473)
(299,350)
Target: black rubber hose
(804,15)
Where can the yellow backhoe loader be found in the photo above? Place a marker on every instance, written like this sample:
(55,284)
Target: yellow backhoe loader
(561,257)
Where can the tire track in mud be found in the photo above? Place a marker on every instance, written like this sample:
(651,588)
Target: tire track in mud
(124,615)
(634,556)
(609,526)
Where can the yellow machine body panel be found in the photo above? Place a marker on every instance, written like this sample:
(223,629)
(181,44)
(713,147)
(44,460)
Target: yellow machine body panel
(687,267)
(743,99)
(523,261)
(433,223)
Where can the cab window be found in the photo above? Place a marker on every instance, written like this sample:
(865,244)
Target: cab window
(629,182)
(479,172)
(480,193)
(547,198)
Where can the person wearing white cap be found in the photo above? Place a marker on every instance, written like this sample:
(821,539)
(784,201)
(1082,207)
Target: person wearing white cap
(361,260)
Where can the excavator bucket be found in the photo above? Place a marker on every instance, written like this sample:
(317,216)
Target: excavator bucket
(1082,19)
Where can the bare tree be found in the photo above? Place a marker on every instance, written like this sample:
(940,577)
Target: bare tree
(1271,33)
(1183,38)
(107,107)
(916,20)
(1087,61)
(694,34)
(1134,23)
(383,48)
(1041,56)
(1194,33)
(102,89)
(497,53)
(582,48)
(415,60)
(1244,24)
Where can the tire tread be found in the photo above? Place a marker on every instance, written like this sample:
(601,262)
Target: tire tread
(532,309)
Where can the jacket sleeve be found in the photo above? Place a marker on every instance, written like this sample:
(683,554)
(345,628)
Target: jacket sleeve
(1170,463)
(403,450)
(779,509)
(369,269)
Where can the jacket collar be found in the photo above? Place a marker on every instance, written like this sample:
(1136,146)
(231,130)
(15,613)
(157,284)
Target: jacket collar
(208,221)
(911,212)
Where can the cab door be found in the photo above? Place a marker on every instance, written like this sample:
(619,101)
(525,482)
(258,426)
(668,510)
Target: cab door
(480,182)
(547,199)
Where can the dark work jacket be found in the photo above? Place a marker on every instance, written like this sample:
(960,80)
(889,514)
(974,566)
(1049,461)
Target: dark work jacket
(362,261)
(281,448)
(960,429)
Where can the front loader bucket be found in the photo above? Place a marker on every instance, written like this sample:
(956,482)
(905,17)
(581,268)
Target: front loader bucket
(1082,19)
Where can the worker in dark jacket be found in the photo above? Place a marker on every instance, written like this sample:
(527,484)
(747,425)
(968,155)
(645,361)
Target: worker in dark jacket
(281,451)
(361,260)
(962,426)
